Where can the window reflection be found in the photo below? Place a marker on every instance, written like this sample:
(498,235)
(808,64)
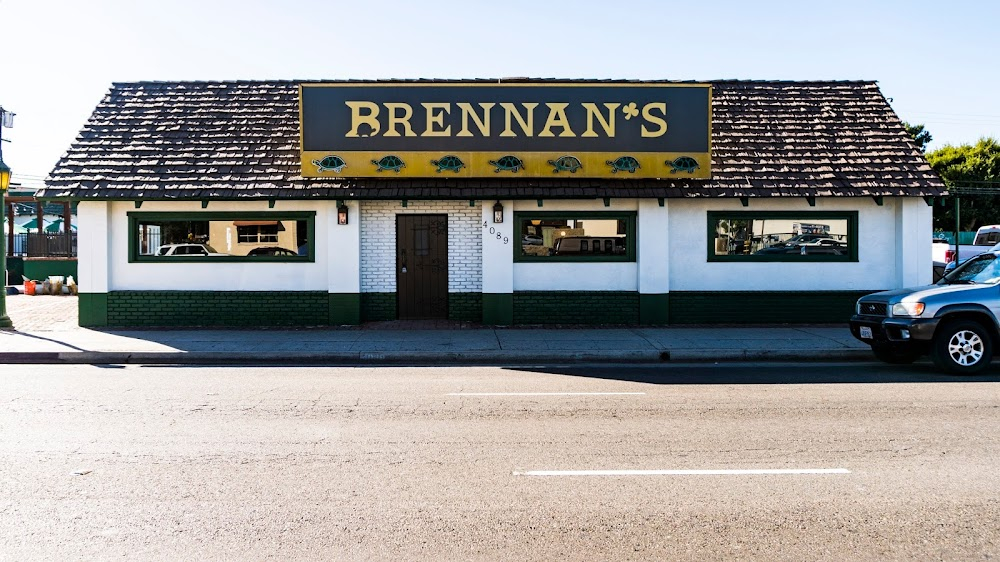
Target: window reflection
(781,237)
(544,237)
(228,237)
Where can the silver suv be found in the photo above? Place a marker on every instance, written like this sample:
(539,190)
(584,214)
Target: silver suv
(954,320)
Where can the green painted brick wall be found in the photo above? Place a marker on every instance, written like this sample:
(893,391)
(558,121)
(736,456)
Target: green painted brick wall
(217,308)
(762,307)
(576,307)
(465,307)
(377,307)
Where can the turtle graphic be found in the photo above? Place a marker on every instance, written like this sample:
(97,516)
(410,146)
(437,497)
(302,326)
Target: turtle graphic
(624,164)
(330,163)
(565,164)
(390,162)
(683,164)
(449,163)
(507,163)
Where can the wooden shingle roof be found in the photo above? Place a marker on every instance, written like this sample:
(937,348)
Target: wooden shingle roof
(236,140)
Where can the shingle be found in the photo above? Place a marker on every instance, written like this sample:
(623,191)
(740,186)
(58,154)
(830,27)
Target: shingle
(176,140)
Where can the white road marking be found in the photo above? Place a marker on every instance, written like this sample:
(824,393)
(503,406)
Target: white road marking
(545,394)
(681,472)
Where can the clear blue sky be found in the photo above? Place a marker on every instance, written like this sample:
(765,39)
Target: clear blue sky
(936,60)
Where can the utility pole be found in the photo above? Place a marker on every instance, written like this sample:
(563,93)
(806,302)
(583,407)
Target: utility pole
(6,120)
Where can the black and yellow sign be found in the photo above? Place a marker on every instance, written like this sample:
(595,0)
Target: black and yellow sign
(597,130)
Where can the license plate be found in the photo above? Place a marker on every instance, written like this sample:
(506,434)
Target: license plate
(866,332)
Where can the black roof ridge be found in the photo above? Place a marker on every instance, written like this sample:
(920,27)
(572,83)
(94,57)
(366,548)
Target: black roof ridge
(520,80)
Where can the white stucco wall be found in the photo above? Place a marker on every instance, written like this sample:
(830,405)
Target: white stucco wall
(498,251)
(218,276)
(885,259)
(894,250)
(563,276)
(93,242)
(378,243)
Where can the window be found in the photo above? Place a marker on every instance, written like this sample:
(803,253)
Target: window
(574,236)
(782,236)
(221,236)
(258,233)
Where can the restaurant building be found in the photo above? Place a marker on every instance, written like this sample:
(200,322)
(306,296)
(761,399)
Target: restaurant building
(275,203)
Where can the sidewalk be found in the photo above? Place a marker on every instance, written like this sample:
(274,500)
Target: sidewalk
(45,331)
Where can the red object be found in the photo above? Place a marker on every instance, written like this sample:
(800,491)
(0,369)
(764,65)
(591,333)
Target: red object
(949,256)
(29,287)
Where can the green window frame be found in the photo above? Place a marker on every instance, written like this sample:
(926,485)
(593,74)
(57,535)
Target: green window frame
(136,218)
(626,220)
(851,254)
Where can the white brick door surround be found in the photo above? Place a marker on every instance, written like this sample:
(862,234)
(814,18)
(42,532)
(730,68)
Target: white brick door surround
(378,243)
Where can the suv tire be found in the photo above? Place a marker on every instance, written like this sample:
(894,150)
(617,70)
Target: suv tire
(896,354)
(962,348)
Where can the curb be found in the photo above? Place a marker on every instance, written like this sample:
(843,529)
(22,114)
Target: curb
(429,358)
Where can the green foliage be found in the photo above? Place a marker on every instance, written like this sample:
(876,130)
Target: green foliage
(971,166)
(921,136)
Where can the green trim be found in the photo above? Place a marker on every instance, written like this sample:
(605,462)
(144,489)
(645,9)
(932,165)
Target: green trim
(134,218)
(40,269)
(498,309)
(762,307)
(654,309)
(92,309)
(345,309)
(630,235)
(852,235)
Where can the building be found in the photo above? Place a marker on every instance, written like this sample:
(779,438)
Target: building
(502,202)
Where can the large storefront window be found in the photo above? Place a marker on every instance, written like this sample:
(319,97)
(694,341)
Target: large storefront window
(574,236)
(221,236)
(782,236)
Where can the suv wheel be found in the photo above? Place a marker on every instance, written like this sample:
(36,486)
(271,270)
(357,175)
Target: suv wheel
(962,347)
(895,354)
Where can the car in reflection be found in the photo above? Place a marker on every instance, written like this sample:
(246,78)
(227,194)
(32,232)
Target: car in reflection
(187,249)
(531,240)
(808,244)
(271,251)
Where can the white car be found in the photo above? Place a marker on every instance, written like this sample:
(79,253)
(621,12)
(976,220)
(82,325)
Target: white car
(187,250)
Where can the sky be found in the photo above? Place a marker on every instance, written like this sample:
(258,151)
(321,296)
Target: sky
(58,58)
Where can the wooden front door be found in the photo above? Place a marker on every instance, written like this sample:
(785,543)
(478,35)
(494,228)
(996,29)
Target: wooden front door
(422,266)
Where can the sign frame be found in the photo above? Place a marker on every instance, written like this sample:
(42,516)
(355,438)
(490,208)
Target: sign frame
(454,162)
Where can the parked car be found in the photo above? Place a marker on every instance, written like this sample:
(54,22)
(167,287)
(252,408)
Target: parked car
(954,320)
(531,240)
(187,249)
(941,254)
(271,251)
(986,237)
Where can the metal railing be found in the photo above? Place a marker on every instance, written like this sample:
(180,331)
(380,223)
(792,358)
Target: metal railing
(44,245)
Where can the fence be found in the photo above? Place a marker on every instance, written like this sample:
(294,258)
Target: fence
(44,245)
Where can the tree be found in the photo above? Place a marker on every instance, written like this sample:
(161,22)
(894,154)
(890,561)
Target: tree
(921,136)
(970,166)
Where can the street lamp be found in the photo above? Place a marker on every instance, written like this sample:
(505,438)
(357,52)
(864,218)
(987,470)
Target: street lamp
(4,184)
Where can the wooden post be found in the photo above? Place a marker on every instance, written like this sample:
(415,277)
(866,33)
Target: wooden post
(67,224)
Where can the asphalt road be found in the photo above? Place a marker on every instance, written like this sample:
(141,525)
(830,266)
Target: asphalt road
(867,462)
